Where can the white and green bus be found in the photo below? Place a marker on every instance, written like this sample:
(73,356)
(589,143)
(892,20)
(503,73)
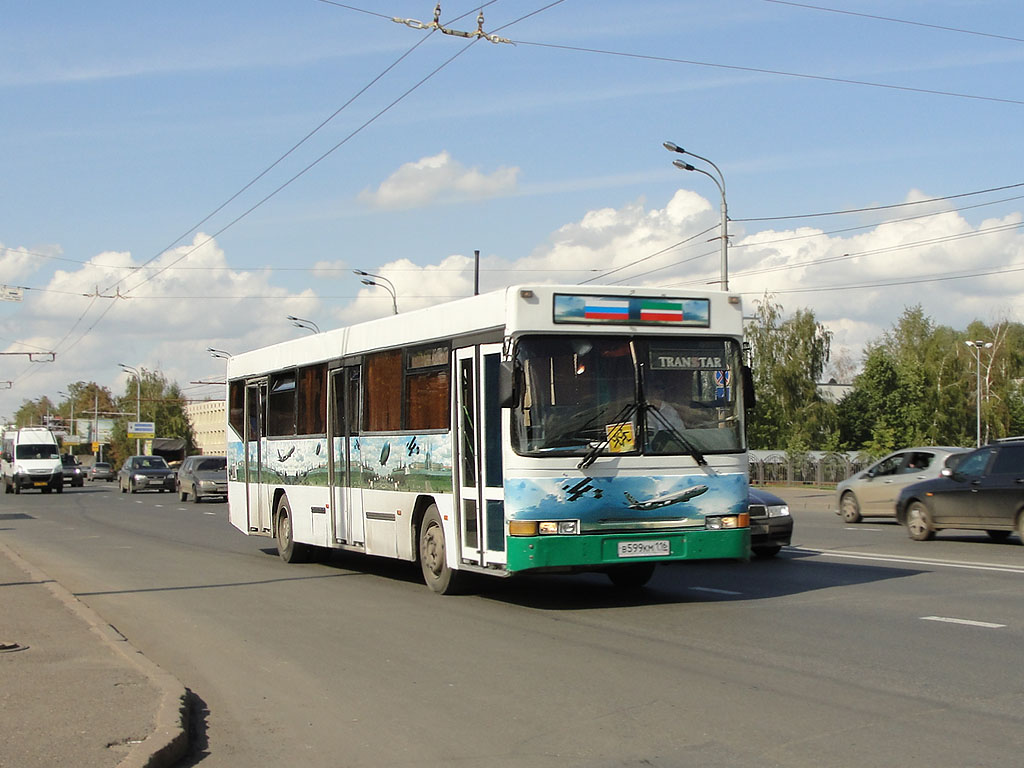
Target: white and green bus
(534,429)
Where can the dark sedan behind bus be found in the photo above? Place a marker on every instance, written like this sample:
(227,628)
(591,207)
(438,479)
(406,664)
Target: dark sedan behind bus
(983,492)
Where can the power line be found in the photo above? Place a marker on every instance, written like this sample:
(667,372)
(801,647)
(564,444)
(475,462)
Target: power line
(897,21)
(885,207)
(776,72)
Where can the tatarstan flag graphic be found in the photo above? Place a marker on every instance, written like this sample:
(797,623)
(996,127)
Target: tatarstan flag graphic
(661,311)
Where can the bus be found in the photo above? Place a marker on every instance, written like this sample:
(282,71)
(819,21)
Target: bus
(538,428)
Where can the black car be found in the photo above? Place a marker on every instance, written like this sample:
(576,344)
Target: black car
(771,527)
(145,473)
(72,469)
(984,491)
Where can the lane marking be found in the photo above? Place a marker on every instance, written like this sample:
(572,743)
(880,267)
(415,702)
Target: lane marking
(914,560)
(968,622)
(715,591)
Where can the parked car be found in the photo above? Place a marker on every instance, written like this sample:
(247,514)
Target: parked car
(203,477)
(983,492)
(74,475)
(101,470)
(771,526)
(873,491)
(145,473)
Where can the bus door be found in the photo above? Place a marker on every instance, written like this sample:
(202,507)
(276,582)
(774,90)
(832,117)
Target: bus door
(346,459)
(479,492)
(256,492)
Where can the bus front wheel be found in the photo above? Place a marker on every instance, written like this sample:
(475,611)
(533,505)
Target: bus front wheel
(433,557)
(289,549)
(632,576)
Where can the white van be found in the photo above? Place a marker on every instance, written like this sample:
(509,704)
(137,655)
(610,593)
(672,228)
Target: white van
(31,459)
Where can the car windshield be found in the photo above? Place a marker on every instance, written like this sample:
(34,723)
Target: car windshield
(151,462)
(580,394)
(36,451)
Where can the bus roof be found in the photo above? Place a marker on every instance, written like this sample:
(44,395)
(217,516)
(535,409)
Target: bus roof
(505,311)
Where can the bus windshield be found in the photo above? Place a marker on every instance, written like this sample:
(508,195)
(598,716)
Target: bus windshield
(628,395)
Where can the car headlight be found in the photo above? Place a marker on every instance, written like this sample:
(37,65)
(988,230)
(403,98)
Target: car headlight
(718,523)
(778,510)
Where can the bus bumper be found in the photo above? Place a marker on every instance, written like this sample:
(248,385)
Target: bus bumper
(597,550)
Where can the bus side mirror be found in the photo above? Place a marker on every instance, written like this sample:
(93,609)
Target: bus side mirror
(749,398)
(507,384)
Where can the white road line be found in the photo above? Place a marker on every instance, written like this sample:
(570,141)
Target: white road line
(968,622)
(715,591)
(914,560)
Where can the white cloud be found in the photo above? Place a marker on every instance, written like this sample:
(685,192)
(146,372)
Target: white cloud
(438,179)
(170,317)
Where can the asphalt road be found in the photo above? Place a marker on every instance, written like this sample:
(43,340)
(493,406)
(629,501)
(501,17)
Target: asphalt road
(854,647)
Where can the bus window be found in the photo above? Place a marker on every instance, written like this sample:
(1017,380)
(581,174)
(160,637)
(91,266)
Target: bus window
(426,389)
(281,406)
(382,394)
(312,405)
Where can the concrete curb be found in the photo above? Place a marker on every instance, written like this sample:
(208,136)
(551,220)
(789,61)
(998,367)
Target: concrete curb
(168,742)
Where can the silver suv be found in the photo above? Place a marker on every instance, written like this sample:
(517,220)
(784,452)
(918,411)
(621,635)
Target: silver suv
(203,477)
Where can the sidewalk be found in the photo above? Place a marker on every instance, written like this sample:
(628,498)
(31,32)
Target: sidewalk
(73,692)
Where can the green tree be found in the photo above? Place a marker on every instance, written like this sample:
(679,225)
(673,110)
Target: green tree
(788,356)
(158,401)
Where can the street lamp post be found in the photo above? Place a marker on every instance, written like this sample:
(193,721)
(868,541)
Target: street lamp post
(720,183)
(219,353)
(72,400)
(138,401)
(301,322)
(978,346)
(381,282)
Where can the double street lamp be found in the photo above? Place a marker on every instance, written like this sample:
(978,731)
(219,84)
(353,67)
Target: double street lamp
(298,322)
(719,180)
(978,346)
(380,282)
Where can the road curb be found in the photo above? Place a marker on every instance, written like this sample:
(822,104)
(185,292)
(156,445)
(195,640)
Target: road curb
(168,742)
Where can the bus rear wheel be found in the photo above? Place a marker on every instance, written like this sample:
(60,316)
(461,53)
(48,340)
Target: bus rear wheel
(289,549)
(632,576)
(437,574)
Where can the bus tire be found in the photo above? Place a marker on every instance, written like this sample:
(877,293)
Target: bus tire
(432,551)
(289,549)
(632,576)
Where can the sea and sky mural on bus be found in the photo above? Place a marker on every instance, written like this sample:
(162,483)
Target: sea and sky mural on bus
(423,464)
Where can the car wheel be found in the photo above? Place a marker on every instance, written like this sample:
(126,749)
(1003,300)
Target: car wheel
(764,553)
(289,550)
(1020,527)
(131,487)
(182,495)
(437,574)
(998,535)
(850,508)
(632,576)
(919,522)
(121,487)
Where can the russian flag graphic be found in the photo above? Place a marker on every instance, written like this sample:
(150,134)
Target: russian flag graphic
(606,309)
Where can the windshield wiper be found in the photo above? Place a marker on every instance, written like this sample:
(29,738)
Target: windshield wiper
(594,451)
(693,450)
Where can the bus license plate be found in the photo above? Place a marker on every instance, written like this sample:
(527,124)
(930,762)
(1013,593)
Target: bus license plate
(645,548)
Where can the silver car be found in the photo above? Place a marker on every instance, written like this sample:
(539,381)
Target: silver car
(203,477)
(873,492)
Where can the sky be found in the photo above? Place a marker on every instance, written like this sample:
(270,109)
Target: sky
(180,176)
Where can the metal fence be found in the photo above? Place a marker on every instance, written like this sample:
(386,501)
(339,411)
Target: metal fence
(812,468)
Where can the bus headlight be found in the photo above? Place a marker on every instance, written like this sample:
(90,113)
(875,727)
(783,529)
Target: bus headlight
(543,527)
(728,521)
(564,527)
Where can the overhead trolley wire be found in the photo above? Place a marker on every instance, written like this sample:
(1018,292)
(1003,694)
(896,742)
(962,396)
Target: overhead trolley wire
(775,72)
(896,21)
